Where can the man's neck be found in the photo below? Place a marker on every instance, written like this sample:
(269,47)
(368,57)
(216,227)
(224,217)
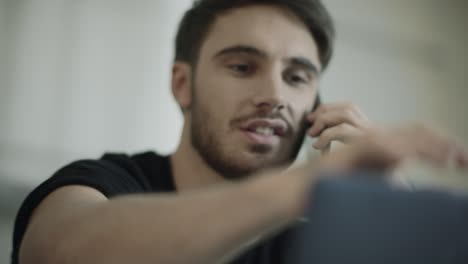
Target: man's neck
(190,171)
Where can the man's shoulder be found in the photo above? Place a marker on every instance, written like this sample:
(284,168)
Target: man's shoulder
(117,162)
(112,174)
(132,163)
(122,172)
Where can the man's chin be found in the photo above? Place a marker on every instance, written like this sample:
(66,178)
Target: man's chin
(261,150)
(247,165)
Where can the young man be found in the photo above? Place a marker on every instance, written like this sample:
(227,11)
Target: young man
(246,77)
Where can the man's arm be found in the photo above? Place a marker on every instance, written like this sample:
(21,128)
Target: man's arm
(77,224)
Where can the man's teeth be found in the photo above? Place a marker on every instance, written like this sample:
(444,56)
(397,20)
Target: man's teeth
(266,131)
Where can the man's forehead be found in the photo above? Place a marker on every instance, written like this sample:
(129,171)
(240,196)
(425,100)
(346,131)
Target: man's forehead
(267,28)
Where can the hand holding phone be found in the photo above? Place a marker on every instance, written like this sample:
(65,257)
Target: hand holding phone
(341,121)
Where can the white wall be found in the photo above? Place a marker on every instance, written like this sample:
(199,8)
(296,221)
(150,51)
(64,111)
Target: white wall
(83,77)
(5,239)
(88,76)
(402,60)
(3,51)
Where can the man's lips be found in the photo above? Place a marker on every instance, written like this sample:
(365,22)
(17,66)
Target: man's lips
(278,126)
(261,139)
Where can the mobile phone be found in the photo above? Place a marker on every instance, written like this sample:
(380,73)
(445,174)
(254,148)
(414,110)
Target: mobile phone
(306,125)
(317,103)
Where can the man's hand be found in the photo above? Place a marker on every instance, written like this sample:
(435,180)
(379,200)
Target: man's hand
(385,149)
(342,122)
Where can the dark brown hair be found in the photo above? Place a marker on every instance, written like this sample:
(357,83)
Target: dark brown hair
(198,20)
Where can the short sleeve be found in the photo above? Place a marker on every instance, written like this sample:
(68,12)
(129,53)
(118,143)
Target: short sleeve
(112,175)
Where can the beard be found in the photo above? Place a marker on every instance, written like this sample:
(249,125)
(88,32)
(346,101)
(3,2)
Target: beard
(221,158)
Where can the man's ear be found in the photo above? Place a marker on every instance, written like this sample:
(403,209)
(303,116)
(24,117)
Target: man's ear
(181,84)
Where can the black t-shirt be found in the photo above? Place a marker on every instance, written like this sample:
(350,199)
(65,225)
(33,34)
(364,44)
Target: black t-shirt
(119,174)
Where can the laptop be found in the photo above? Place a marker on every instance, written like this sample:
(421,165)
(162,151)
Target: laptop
(364,220)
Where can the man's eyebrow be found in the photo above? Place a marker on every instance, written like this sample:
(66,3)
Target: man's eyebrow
(305,63)
(243,49)
(250,50)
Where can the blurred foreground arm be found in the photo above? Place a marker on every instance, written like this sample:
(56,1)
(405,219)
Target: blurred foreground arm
(79,225)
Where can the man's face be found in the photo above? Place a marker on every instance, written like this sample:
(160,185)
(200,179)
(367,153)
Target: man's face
(256,79)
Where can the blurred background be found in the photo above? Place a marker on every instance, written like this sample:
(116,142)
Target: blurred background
(78,78)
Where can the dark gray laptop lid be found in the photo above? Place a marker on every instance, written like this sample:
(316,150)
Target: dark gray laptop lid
(363,220)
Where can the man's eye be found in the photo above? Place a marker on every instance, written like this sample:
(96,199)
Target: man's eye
(295,79)
(240,68)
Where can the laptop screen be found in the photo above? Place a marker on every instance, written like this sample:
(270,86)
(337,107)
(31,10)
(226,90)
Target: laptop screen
(363,220)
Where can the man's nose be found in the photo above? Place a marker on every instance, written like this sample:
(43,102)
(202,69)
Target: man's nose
(270,95)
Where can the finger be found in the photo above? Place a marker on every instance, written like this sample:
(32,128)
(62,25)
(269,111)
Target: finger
(434,147)
(345,108)
(340,133)
(461,155)
(323,108)
(462,159)
(311,116)
(449,156)
(335,105)
(342,106)
(415,142)
(317,127)
(436,155)
(333,118)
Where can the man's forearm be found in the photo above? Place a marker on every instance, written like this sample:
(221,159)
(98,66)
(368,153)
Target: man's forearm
(206,226)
